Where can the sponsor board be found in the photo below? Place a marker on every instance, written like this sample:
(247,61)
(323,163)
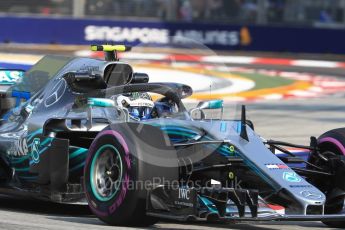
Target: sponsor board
(216,36)
(146,35)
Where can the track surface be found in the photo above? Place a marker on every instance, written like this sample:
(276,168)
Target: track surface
(33,215)
(292,120)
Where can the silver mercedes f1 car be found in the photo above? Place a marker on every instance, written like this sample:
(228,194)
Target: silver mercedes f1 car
(94,131)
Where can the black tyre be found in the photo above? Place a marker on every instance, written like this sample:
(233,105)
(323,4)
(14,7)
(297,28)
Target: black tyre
(115,164)
(332,145)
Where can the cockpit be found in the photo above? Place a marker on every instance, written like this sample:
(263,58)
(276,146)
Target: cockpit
(65,86)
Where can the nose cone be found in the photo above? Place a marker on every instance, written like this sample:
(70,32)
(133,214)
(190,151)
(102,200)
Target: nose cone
(312,196)
(312,201)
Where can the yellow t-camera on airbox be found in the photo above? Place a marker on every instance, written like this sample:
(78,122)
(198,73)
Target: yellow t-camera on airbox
(110,51)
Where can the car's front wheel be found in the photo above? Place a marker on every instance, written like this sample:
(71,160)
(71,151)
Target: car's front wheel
(109,171)
(116,174)
(332,147)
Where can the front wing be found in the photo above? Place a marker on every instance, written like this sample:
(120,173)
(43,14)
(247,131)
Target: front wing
(219,204)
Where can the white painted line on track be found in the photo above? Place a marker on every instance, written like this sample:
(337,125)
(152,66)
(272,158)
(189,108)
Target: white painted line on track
(311,63)
(198,81)
(228,59)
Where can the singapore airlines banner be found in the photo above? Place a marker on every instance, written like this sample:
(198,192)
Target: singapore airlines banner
(215,36)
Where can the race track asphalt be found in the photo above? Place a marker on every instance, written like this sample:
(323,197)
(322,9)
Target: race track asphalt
(17,214)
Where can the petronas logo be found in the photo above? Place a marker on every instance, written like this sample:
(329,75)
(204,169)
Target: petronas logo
(35,153)
(291,177)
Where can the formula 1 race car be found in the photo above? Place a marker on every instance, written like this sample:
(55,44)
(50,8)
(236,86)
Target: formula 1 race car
(86,130)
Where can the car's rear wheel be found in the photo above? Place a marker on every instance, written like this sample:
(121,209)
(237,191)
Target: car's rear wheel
(332,146)
(113,177)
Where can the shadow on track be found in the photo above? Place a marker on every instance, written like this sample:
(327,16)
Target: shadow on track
(81,215)
(42,207)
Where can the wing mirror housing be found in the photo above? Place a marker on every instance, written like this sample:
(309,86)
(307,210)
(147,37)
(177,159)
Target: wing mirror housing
(103,103)
(206,105)
(97,102)
(100,102)
(212,104)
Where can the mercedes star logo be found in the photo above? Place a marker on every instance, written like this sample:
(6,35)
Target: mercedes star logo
(311,195)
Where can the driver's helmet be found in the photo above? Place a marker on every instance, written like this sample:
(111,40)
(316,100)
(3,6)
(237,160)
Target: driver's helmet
(139,105)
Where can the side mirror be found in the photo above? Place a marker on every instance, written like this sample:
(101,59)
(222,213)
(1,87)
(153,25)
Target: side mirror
(205,105)
(213,104)
(96,102)
(100,102)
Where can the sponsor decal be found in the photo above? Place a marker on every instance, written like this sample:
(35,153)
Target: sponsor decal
(277,208)
(240,37)
(291,177)
(22,147)
(301,186)
(232,148)
(231,175)
(184,193)
(56,94)
(184,204)
(126,34)
(214,37)
(311,195)
(9,77)
(277,166)
(89,68)
(184,197)
(35,152)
